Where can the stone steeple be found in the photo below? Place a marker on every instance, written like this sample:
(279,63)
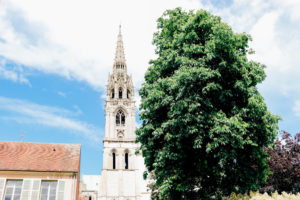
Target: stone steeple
(120,104)
(120,62)
(122,171)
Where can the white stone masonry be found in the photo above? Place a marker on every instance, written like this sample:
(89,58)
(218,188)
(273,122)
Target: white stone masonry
(122,172)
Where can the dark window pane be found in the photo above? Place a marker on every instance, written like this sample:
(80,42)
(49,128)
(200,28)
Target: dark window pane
(17,191)
(9,190)
(112,93)
(44,191)
(7,197)
(123,119)
(48,190)
(44,197)
(128,94)
(19,183)
(114,161)
(45,184)
(10,183)
(17,197)
(126,160)
(120,93)
(118,119)
(13,189)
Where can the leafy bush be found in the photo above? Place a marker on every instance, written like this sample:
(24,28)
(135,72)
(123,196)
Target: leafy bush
(265,196)
(284,164)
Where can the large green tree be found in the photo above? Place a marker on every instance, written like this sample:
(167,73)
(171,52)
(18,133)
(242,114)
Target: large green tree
(205,125)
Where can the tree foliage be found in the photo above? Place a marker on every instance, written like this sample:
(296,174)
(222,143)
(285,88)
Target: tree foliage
(204,122)
(284,164)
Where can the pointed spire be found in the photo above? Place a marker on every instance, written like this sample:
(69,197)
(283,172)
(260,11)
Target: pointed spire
(120,61)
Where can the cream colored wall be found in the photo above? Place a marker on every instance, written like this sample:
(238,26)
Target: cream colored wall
(67,177)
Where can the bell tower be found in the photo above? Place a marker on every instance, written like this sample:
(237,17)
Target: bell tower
(122,172)
(120,104)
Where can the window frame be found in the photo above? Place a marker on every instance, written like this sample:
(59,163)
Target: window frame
(120,92)
(14,188)
(48,189)
(120,118)
(32,191)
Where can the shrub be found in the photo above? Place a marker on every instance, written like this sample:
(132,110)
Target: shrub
(284,164)
(265,196)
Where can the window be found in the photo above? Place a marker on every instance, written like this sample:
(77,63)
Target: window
(31,189)
(126,161)
(120,66)
(90,198)
(114,160)
(48,190)
(13,190)
(128,94)
(120,118)
(113,93)
(120,93)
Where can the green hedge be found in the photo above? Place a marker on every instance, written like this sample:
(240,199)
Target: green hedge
(265,196)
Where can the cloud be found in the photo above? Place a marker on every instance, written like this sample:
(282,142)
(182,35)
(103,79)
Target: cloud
(77,39)
(13,73)
(27,112)
(296,108)
(277,43)
(61,94)
(274,27)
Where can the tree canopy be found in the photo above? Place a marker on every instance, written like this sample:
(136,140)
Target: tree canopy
(205,125)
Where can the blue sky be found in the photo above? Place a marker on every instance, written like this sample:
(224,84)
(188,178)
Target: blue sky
(55,57)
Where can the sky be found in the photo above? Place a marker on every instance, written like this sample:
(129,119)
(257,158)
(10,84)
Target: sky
(56,55)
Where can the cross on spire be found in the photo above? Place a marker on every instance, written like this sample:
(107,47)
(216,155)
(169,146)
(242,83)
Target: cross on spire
(120,62)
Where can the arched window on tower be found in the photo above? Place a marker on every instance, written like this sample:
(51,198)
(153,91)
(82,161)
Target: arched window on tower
(113,93)
(120,93)
(114,160)
(128,94)
(120,118)
(126,160)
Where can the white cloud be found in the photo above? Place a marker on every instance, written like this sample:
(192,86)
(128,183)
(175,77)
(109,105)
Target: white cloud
(61,94)
(27,112)
(14,73)
(277,43)
(296,108)
(274,27)
(76,39)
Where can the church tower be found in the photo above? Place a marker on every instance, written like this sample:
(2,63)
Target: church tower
(122,172)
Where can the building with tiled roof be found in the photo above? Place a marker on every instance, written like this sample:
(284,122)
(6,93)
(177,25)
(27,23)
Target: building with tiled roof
(32,171)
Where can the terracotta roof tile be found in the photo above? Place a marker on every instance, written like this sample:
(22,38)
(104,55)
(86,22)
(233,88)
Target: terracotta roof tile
(24,156)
